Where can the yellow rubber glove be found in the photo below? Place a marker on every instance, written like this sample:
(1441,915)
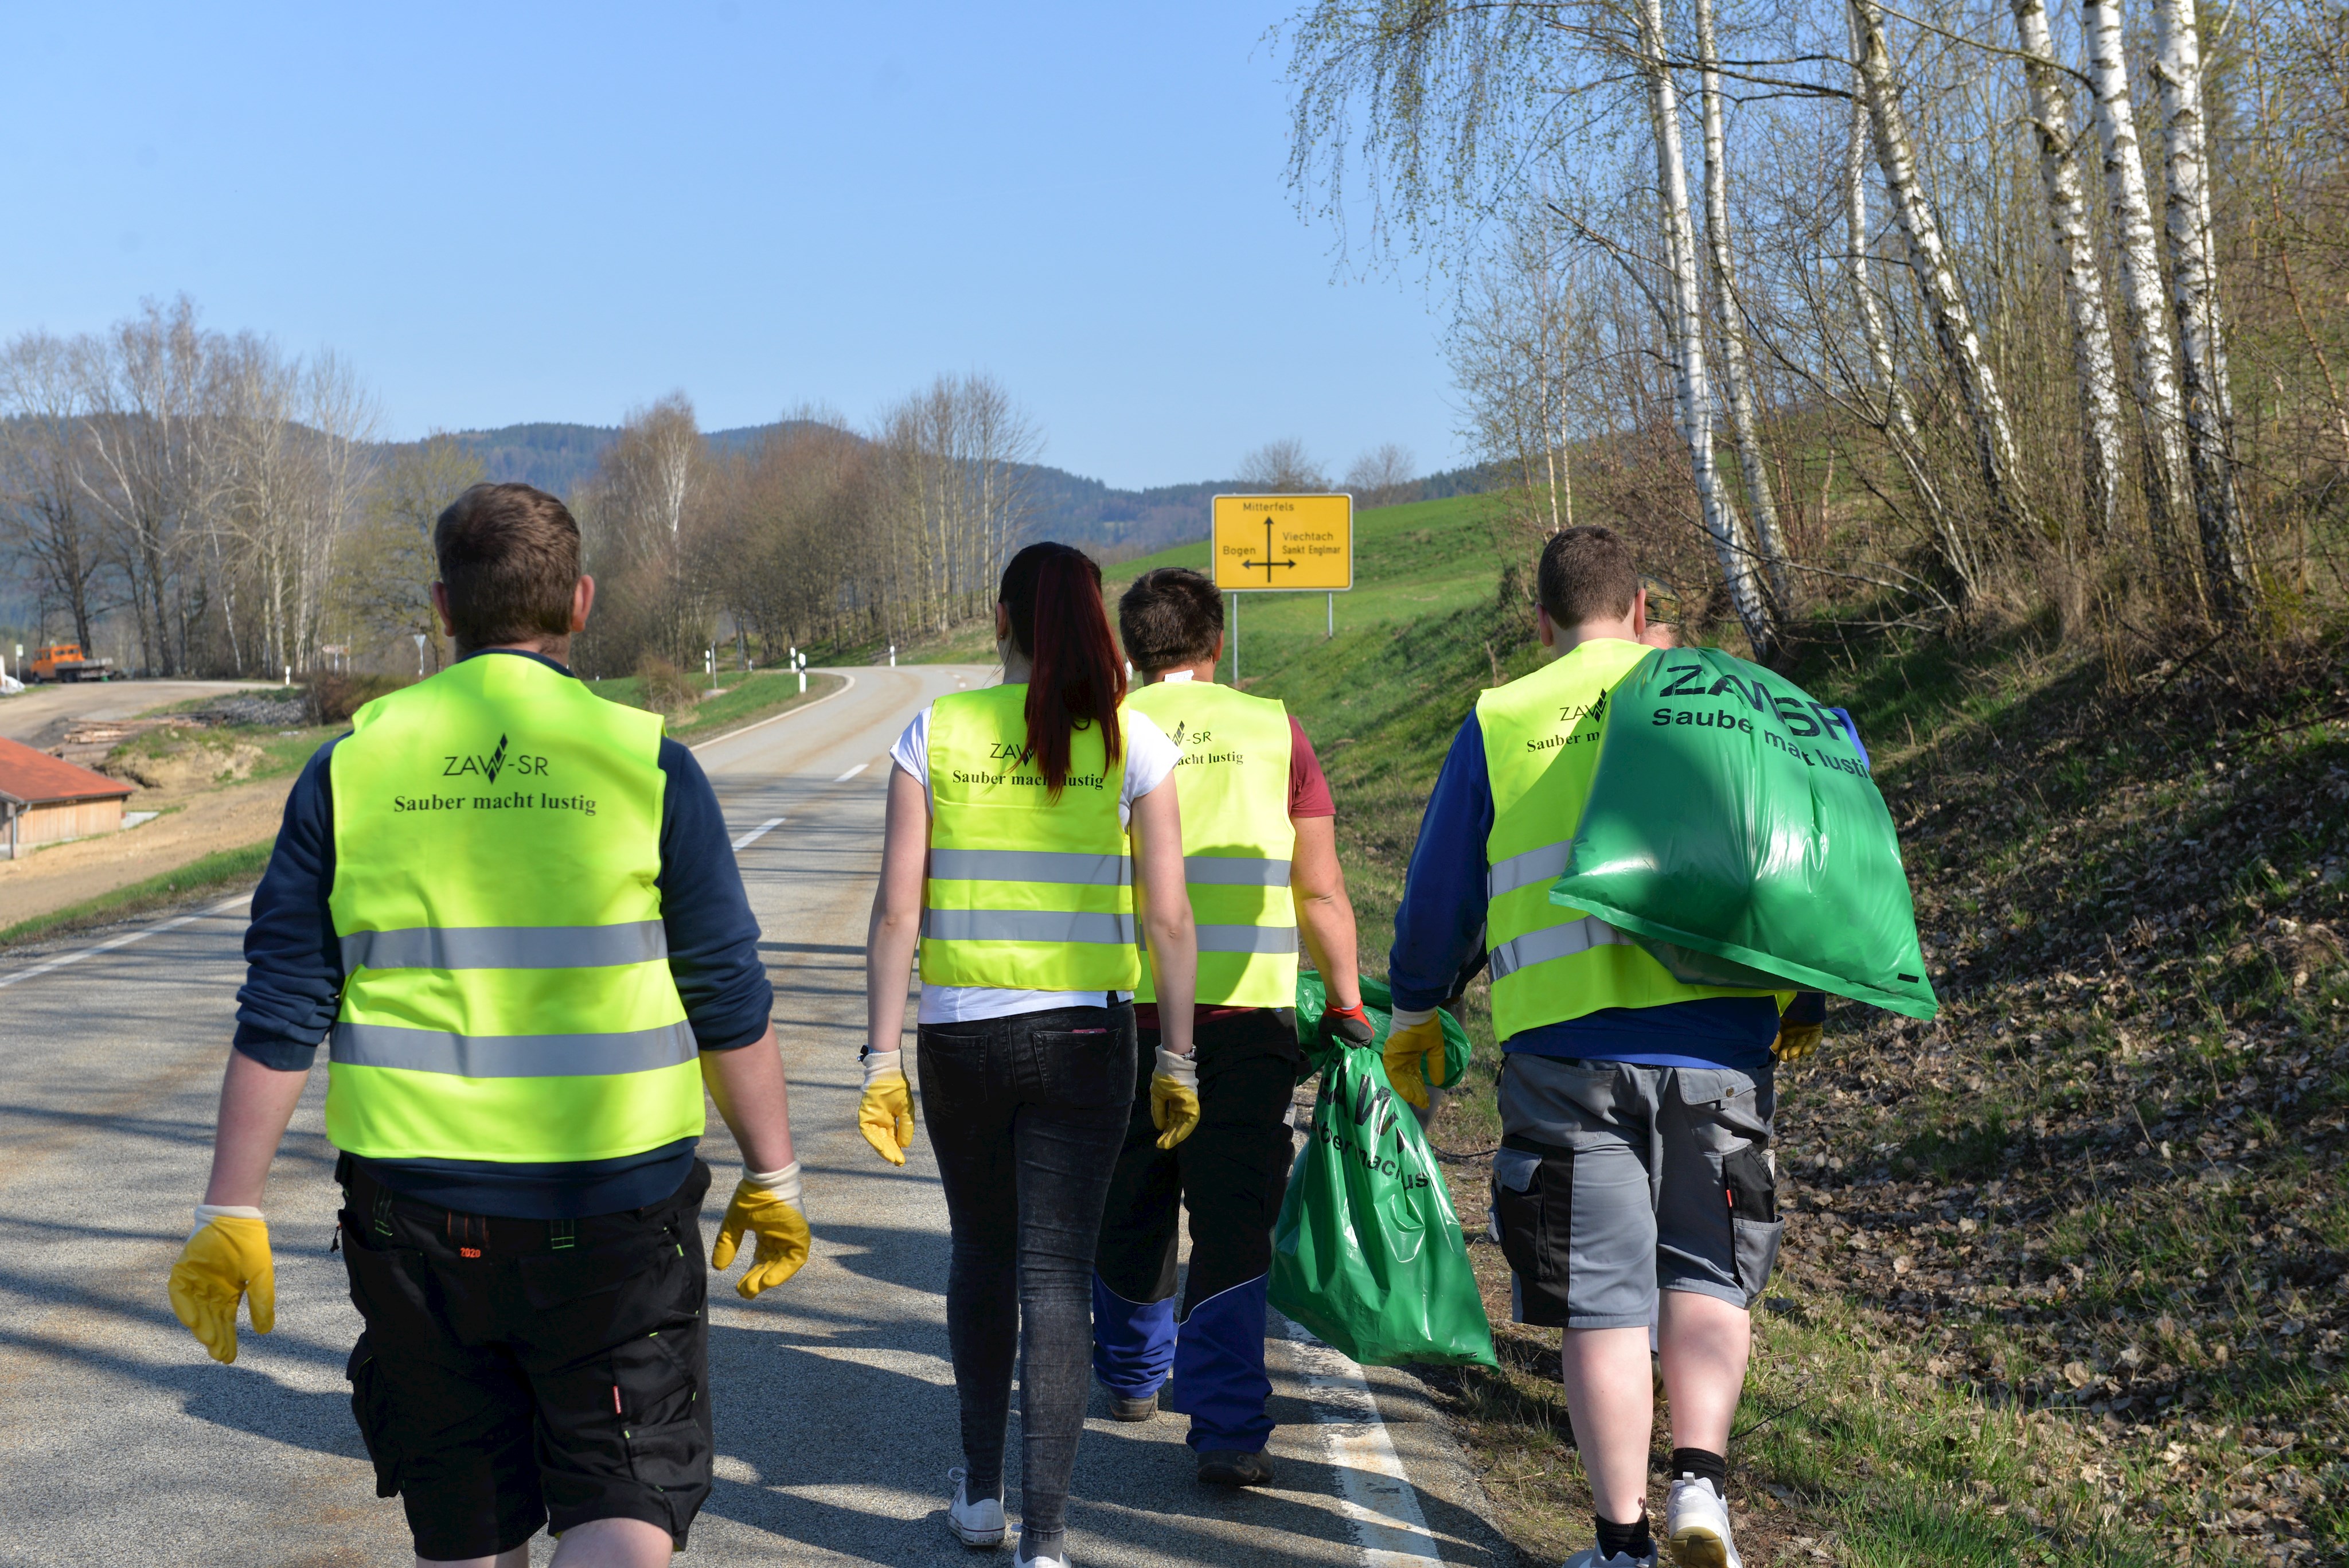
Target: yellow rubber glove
(225,1261)
(1796,1041)
(767,1205)
(1175,1098)
(886,1115)
(1414,1055)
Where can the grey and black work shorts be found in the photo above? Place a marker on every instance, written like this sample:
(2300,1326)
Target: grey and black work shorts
(1614,1181)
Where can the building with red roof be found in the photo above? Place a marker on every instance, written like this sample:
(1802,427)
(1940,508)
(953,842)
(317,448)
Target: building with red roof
(45,798)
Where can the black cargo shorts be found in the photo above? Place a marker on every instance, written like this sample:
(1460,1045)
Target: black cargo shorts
(520,1373)
(1614,1181)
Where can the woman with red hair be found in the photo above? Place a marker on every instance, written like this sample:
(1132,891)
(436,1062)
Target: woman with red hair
(1007,862)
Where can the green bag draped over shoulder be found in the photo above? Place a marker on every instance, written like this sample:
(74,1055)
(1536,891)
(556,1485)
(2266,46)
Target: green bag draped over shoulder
(1735,830)
(1368,1253)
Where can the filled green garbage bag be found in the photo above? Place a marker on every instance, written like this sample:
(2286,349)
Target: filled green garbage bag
(1368,1253)
(1379,1003)
(1735,830)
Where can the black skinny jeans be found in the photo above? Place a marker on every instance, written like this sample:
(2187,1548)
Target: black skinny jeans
(1026,1115)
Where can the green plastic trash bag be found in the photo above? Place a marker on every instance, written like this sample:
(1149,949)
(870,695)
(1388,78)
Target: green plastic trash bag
(1735,831)
(1379,1002)
(1368,1253)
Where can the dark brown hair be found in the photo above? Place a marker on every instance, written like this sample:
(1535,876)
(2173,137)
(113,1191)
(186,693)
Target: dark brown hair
(1586,573)
(1169,617)
(1053,594)
(509,555)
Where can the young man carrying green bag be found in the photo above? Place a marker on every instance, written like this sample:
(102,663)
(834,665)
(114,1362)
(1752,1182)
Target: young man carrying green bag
(1635,1110)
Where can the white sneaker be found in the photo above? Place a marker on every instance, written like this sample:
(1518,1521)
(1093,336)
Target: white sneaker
(978,1523)
(1588,1557)
(1040,1561)
(1696,1523)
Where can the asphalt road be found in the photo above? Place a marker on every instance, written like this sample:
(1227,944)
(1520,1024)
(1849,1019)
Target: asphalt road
(37,709)
(120,1442)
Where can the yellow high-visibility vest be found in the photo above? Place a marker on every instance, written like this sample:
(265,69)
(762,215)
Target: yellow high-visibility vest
(1237,841)
(1024,892)
(507,993)
(1542,735)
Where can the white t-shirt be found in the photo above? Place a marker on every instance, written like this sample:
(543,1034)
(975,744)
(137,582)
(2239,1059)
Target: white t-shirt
(1150,759)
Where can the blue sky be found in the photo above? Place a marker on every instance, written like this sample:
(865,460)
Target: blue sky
(506,212)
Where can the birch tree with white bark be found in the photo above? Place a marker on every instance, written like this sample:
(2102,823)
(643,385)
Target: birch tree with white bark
(1691,379)
(2075,249)
(1736,362)
(2194,305)
(1895,414)
(1514,352)
(2153,365)
(1937,274)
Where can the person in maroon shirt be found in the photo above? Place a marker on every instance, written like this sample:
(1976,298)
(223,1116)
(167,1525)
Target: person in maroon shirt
(1231,1170)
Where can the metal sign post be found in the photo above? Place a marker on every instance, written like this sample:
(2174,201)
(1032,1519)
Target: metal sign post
(1282,543)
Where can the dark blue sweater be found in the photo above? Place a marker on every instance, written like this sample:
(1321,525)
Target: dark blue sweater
(294,986)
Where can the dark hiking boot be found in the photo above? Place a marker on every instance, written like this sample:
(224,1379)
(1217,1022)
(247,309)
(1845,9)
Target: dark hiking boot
(1229,1466)
(1144,1409)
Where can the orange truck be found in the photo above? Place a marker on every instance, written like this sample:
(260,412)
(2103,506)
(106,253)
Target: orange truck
(65,661)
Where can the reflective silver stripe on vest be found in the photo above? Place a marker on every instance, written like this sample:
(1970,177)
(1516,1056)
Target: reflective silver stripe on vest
(1234,871)
(1030,866)
(1247,939)
(1554,942)
(1546,863)
(1241,940)
(506,947)
(1027,925)
(512,1056)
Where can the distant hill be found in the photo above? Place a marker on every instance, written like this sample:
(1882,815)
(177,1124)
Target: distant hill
(559,457)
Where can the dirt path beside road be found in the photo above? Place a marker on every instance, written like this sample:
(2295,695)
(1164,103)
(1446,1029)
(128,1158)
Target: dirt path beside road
(207,821)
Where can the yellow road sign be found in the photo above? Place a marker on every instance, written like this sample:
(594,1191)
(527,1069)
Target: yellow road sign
(1284,543)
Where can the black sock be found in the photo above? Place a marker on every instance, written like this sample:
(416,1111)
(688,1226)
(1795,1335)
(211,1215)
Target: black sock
(1630,1539)
(1706,1465)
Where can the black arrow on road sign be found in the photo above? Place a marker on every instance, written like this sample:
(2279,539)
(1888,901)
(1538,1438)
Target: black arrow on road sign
(1268,563)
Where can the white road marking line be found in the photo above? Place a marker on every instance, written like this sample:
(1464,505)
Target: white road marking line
(758,833)
(851,772)
(124,940)
(1380,1505)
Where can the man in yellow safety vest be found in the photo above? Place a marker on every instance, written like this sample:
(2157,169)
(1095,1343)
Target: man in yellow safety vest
(513,908)
(1635,1110)
(1260,863)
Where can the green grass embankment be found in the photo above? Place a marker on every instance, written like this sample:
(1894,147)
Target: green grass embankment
(2062,1280)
